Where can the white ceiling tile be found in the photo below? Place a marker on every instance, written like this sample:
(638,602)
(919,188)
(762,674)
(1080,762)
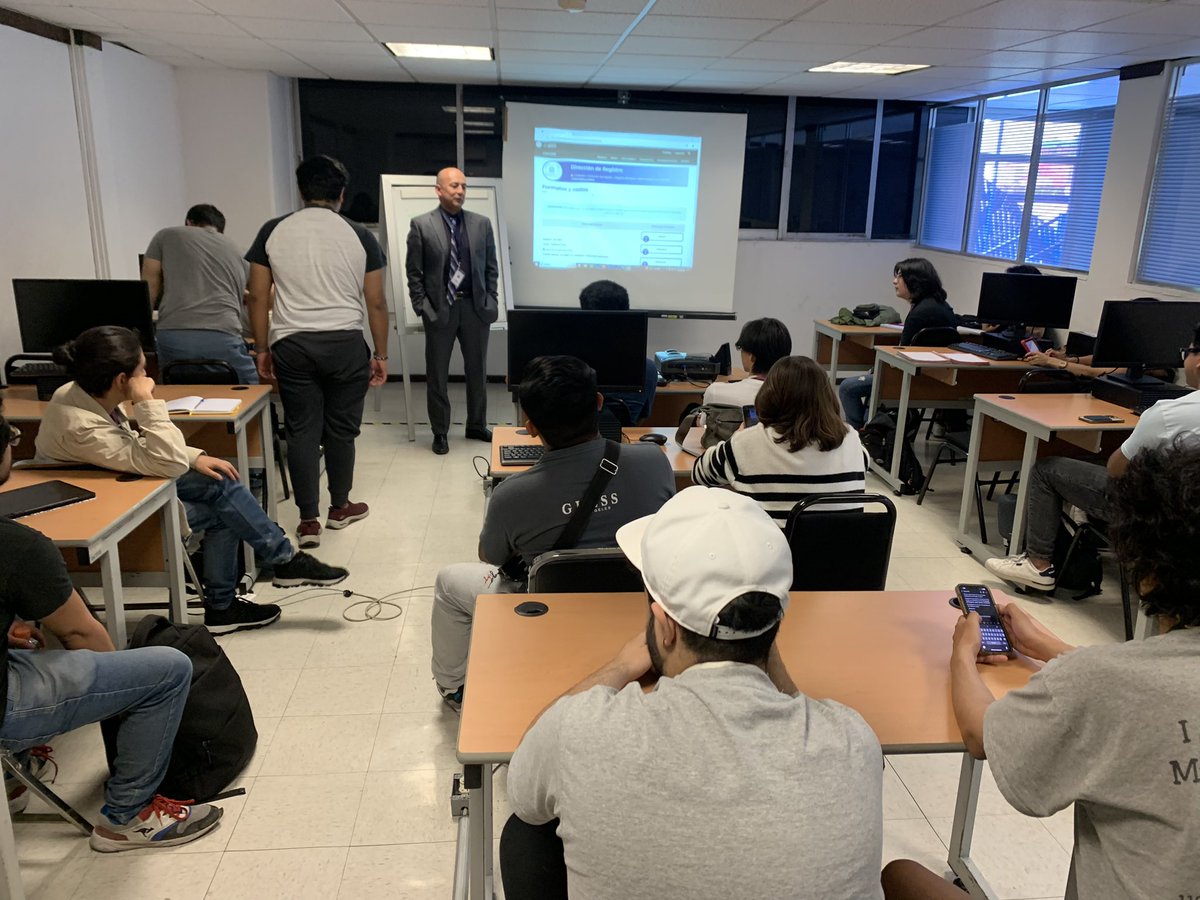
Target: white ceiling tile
(742,64)
(432,15)
(297,30)
(477,38)
(814,84)
(558,21)
(312,10)
(702,27)
(544,40)
(741,9)
(969,38)
(352,49)
(157,5)
(545,74)
(730,80)
(1161,19)
(1117,60)
(349,73)
(533,58)
(196,42)
(1177,49)
(626,60)
(636,78)
(1096,42)
(1061,15)
(930,56)
(602,6)
(1031,59)
(450,70)
(189,62)
(665,46)
(175,22)
(963,74)
(815,53)
(805,32)
(908,12)
(66,16)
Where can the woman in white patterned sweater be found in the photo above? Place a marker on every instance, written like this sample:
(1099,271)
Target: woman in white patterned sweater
(800,445)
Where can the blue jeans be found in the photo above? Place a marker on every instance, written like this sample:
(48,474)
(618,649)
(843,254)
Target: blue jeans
(179,344)
(51,692)
(855,394)
(228,514)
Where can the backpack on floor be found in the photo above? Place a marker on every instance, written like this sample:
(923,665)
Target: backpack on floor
(1086,571)
(216,736)
(879,440)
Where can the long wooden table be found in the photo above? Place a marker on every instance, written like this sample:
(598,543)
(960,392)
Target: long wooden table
(849,348)
(941,385)
(885,654)
(95,527)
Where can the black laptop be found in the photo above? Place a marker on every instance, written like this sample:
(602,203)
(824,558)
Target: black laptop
(39,498)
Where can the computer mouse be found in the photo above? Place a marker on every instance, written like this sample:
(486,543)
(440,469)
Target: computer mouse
(653,438)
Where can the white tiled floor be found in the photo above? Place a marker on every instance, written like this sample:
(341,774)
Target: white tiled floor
(348,794)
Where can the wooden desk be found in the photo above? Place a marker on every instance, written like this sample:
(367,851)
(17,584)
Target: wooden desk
(940,385)
(672,398)
(681,461)
(849,348)
(95,527)
(835,645)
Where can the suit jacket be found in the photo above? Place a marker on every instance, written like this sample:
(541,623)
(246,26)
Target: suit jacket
(428,251)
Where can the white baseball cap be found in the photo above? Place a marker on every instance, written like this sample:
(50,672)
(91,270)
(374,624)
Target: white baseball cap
(705,548)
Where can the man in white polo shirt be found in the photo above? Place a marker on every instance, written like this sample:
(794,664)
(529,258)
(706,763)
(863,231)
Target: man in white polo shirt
(327,271)
(725,781)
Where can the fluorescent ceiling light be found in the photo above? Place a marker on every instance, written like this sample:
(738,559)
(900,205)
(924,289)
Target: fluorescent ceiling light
(869,68)
(439,51)
(487,125)
(471,110)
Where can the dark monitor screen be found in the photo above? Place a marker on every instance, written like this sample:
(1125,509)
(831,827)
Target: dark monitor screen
(1138,333)
(1037,301)
(613,343)
(52,311)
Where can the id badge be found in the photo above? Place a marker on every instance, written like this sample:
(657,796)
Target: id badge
(457,279)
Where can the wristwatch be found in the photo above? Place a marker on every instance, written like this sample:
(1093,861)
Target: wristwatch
(378,357)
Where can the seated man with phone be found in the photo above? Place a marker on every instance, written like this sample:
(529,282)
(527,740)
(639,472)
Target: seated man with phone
(1111,729)
(542,509)
(1083,484)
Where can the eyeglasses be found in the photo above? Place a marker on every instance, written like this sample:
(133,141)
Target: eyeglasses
(1185,352)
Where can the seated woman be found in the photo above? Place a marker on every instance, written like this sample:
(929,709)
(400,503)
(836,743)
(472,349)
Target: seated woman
(800,445)
(917,281)
(85,423)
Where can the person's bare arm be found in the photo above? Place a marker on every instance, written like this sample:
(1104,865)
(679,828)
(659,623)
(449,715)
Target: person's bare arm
(377,318)
(1118,464)
(969,694)
(152,275)
(259,287)
(76,628)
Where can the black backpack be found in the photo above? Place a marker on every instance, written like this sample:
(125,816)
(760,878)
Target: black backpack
(879,440)
(1086,571)
(216,736)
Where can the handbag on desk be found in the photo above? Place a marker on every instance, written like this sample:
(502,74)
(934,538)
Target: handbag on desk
(720,420)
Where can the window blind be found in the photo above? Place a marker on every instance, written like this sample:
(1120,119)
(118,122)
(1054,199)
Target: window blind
(951,140)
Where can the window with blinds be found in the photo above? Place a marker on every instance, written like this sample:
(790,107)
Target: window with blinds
(1033,194)
(1171,232)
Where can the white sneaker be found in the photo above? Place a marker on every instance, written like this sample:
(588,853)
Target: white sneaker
(164,823)
(1019,570)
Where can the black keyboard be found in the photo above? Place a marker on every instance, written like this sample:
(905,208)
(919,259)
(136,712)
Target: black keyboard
(983,350)
(520,454)
(44,368)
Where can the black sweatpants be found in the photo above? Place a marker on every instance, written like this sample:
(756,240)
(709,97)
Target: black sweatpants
(532,866)
(323,378)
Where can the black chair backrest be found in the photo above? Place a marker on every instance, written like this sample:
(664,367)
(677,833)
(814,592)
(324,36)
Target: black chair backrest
(620,411)
(939,336)
(199,371)
(840,550)
(1053,381)
(582,571)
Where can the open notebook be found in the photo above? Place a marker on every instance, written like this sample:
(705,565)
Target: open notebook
(199,406)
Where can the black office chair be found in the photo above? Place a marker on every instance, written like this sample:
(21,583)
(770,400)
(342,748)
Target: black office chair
(581,571)
(937,336)
(1053,381)
(840,550)
(218,371)
(1097,533)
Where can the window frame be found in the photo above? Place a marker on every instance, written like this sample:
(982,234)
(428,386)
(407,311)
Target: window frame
(979,102)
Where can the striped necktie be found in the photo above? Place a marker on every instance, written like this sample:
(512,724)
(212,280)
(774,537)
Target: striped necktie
(455,264)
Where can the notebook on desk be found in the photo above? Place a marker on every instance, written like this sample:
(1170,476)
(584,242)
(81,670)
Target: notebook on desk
(40,498)
(200,406)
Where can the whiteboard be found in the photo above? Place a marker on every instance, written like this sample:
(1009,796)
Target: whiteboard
(404,197)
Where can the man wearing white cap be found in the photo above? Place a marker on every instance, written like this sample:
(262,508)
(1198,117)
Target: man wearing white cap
(725,781)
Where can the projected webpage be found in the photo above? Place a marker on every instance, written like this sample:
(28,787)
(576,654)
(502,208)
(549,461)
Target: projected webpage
(614,200)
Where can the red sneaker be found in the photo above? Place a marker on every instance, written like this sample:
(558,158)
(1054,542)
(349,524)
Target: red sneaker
(341,516)
(308,533)
(164,823)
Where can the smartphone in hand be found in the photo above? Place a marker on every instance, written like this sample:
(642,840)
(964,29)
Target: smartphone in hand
(1030,345)
(976,598)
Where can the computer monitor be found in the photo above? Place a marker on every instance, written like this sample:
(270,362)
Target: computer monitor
(611,342)
(52,311)
(1141,335)
(1035,301)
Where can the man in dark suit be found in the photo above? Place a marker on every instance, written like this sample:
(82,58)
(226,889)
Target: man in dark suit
(452,274)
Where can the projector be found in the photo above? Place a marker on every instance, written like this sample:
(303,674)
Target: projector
(689,368)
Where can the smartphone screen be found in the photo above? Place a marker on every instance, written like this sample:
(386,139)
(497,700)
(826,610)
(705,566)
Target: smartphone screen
(1100,419)
(749,416)
(975,598)
(1030,345)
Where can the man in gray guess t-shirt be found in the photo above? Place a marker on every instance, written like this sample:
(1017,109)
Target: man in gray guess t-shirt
(528,511)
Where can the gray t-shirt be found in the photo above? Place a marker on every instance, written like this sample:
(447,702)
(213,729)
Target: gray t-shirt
(529,510)
(204,276)
(1116,731)
(317,259)
(714,785)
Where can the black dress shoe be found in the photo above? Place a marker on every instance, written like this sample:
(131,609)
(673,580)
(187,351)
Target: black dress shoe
(441,446)
(480,434)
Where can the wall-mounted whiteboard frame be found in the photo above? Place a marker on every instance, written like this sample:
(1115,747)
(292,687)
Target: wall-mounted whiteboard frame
(402,198)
